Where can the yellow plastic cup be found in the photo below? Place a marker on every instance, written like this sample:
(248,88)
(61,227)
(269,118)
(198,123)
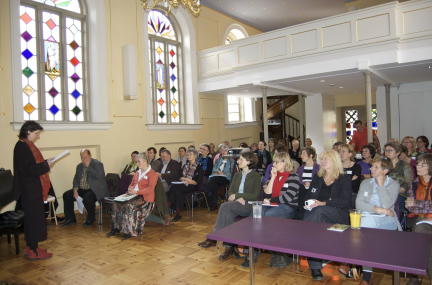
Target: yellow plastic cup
(355,219)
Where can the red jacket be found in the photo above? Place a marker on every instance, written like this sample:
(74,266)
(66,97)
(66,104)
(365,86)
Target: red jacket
(147,186)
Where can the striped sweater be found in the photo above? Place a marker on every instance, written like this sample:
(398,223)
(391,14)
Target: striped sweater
(289,193)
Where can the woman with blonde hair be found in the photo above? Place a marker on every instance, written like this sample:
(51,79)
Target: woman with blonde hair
(410,143)
(328,198)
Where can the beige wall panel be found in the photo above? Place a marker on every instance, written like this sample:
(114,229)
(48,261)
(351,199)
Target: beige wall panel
(304,41)
(249,53)
(373,27)
(275,47)
(417,21)
(209,64)
(336,34)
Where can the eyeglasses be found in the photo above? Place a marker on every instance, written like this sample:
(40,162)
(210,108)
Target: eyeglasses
(422,165)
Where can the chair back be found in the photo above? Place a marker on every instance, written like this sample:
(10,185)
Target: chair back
(6,188)
(112,180)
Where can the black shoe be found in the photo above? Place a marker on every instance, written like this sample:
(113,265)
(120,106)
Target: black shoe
(88,223)
(113,232)
(126,236)
(316,274)
(176,218)
(246,258)
(67,223)
(279,260)
(207,243)
(229,250)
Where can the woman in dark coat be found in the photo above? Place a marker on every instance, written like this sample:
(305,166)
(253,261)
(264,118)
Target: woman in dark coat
(31,186)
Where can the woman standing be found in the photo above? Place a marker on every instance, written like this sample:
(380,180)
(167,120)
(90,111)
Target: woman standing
(31,185)
(128,218)
(378,195)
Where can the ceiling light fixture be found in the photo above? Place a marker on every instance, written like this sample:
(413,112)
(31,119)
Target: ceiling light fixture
(340,87)
(322,80)
(332,84)
(194,6)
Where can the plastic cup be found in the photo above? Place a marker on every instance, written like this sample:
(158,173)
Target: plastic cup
(257,211)
(355,219)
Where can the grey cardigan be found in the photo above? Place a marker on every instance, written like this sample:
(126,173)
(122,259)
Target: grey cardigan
(388,195)
(95,178)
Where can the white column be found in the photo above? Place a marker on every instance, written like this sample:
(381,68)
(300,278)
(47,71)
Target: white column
(264,109)
(368,105)
(314,121)
(302,117)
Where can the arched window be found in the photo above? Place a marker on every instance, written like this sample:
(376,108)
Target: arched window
(235,32)
(166,75)
(53,60)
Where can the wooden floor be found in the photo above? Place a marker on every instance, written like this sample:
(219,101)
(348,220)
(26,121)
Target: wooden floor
(163,255)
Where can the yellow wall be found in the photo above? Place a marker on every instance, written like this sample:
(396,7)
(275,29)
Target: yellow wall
(113,146)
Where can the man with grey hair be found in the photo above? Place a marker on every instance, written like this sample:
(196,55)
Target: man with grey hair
(89,183)
(169,169)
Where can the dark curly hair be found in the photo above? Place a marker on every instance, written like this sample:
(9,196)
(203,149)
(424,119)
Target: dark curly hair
(28,127)
(426,158)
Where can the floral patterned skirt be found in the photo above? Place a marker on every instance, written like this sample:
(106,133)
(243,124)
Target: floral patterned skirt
(129,217)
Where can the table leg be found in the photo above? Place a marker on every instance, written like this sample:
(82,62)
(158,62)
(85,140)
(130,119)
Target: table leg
(396,278)
(251,267)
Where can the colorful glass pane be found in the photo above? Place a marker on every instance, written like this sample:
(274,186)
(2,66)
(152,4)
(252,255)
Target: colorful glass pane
(350,117)
(374,119)
(74,69)
(70,5)
(159,25)
(29,63)
(159,81)
(173,75)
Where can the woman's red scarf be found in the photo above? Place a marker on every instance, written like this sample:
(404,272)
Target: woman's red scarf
(278,183)
(44,178)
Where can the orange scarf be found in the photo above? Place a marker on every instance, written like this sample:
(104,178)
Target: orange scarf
(423,193)
(44,178)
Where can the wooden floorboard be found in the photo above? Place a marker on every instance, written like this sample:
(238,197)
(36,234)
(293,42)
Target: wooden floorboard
(162,255)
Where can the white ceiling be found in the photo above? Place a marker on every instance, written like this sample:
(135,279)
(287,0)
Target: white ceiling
(351,81)
(267,15)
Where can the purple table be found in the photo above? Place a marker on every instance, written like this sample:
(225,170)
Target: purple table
(391,250)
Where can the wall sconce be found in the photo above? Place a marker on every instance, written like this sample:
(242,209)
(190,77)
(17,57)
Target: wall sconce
(129,72)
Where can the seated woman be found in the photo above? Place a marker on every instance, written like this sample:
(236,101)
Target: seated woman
(351,168)
(245,186)
(368,154)
(128,217)
(128,172)
(282,192)
(404,156)
(378,195)
(220,177)
(419,203)
(192,175)
(330,195)
(309,167)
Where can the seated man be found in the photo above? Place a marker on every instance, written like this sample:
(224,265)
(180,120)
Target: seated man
(89,183)
(169,170)
(127,173)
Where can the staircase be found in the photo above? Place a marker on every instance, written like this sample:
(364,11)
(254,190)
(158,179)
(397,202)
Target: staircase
(279,106)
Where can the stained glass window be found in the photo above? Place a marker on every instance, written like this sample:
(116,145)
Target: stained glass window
(52,60)
(165,57)
(350,117)
(374,120)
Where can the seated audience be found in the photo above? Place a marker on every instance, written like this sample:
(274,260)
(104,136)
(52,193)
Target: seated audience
(220,177)
(282,192)
(272,147)
(419,203)
(295,151)
(309,167)
(331,196)
(404,156)
(409,143)
(378,195)
(352,169)
(89,183)
(253,146)
(308,142)
(267,175)
(151,156)
(422,145)
(128,218)
(205,161)
(127,173)
(219,152)
(181,158)
(401,171)
(368,154)
(245,186)
(264,158)
(212,152)
(192,175)
(169,170)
